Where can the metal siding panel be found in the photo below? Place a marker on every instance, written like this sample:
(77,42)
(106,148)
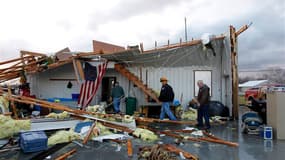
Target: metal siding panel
(182,81)
(50,89)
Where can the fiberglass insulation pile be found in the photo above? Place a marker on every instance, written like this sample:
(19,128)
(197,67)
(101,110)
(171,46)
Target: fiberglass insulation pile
(9,126)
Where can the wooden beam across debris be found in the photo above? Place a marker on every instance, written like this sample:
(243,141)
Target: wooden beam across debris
(66,155)
(209,138)
(57,106)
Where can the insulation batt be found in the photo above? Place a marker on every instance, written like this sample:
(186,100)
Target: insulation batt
(4,103)
(96,109)
(128,119)
(145,134)
(102,129)
(9,126)
(63,136)
(190,114)
(62,115)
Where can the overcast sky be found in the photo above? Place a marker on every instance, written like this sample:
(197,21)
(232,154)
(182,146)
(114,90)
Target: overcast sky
(50,25)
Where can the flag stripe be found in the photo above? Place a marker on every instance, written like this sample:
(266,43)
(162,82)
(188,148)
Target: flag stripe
(89,88)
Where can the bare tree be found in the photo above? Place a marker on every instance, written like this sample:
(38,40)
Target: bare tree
(244,79)
(275,74)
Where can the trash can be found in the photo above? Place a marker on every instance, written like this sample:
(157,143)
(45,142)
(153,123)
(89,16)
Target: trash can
(131,104)
(267,133)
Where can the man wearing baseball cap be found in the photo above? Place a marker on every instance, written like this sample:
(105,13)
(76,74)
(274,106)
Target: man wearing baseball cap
(166,97)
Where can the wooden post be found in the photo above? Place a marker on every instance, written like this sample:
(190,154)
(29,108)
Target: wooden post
(141,46)
(12,103)
(168,43)
(140,73)
(233,41)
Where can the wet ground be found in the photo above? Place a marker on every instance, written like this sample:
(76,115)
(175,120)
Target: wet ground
(251,147)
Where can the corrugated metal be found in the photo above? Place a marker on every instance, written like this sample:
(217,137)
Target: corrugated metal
(180,74)
(182,80)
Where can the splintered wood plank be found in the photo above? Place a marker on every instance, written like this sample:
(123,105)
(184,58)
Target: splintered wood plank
(33,53)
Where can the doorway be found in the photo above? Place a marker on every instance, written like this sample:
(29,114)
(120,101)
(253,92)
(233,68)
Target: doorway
(107,84)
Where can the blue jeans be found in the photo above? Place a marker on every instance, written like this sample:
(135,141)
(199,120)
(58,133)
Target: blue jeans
(165,108)
(116,104)
(203,112)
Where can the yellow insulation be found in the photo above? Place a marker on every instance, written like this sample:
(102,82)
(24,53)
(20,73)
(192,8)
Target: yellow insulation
(63,136)
(145,134)
(9,126)
(62,115)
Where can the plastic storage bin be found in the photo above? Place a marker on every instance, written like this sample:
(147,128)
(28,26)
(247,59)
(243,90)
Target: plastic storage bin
(131,104)
(33,141)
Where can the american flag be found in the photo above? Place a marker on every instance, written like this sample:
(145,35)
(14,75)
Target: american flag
(90,86)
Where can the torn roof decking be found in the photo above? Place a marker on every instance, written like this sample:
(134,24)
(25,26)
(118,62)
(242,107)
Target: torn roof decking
(12,69)
(124,56)
(158,56)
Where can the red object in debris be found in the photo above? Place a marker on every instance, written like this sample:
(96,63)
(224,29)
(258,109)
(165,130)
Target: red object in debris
(251,93)
(26,92)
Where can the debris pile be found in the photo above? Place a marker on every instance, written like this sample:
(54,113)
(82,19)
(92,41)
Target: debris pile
(155,152)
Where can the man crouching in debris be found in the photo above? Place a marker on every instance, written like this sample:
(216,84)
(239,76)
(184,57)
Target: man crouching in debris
(203,105)
(166,96)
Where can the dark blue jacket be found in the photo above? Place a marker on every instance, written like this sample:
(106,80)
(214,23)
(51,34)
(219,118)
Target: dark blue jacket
(166,94)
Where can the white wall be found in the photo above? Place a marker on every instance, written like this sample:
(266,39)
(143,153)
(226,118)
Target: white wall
(44,88)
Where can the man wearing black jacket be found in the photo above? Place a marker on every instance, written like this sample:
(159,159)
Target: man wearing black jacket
(166,97)
(203,105)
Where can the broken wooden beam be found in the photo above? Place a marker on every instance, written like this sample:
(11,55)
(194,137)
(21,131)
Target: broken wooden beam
(86,138)
(219,141)
(129,148)
(79,113)
(242,29)
(121,128)
(190,43)
(211,138)
(152,120)
(14,60)
(32,53)
(66,155)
